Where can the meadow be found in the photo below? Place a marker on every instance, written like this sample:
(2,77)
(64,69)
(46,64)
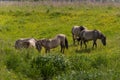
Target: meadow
(23,20)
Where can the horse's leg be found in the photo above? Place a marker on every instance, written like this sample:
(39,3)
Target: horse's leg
(61,47)
(73,39)
(47,50)
(78,42)
(85,44)
(81,43)
(94,43)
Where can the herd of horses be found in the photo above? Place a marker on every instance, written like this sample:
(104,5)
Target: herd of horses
(80,34)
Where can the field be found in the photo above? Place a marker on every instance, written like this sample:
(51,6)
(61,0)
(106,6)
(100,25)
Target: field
(45,21)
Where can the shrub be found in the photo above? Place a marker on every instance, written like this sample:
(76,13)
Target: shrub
(48,66)
(18,63)
(83,75)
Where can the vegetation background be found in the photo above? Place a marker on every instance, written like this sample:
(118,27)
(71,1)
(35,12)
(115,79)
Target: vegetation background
(45,20)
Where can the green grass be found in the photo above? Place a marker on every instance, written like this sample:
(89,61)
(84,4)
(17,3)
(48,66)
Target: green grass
(45,21)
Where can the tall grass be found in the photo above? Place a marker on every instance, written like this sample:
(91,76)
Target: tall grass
(45,21)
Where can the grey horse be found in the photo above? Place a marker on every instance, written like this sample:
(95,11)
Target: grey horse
(76,33)
(25,43)
(88,35)
(48,44)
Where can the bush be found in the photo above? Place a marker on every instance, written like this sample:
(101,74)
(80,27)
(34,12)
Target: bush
(20,64)
(83,75)
(13,61)
(48,66)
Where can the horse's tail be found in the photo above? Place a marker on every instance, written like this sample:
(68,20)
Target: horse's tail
(66,43)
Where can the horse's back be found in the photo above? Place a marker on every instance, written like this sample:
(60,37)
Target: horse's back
(76,30)
(61,35)
(32,42)
(87,34)
(54,42)
(25,43)
(90,34)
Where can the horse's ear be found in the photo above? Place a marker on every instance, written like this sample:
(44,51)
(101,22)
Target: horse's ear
(81,28)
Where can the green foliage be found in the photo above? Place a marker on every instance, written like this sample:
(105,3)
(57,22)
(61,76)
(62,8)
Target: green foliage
(49,66)
(100,60)
(12,62)
(92,74)
(45,21)
(80,62)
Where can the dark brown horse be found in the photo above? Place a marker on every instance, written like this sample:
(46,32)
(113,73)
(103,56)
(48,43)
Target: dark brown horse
(76,33)
(88,35)
(48,44)
(25,43)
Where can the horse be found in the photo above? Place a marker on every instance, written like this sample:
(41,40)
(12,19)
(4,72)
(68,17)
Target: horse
(25,43)
(88,35)
(48,44)
(76,32)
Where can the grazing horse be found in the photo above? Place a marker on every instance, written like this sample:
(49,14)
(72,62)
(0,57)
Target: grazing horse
(25,43)
(76,32)
(48,44)
(87,35)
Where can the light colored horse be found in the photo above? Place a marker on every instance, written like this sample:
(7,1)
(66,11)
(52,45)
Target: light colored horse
(25,43)
(76,33)
(48,44)
(88,35)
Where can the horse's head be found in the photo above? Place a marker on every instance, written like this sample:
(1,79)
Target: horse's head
(82,28)
(38,45)
(17,44)
(44,41)
(103,39)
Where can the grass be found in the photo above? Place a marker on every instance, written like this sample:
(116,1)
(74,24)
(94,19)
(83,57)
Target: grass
(45,21)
